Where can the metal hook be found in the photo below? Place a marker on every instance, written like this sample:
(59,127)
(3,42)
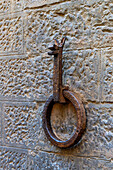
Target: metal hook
(62,95)
(56,50)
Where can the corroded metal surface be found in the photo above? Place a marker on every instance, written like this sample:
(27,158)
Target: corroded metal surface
(62,95)
(56,50)
(81,121)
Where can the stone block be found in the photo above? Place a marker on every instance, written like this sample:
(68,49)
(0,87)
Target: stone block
(0,123)
(44,160)
(11,158)
(29,78)
(11,34)
(99,17)
(86,26)
(98,138)
(39,3)
(81,72)
(9,6)
(42,26)
(107,75)
(17,5)
(5,6)
(22,124)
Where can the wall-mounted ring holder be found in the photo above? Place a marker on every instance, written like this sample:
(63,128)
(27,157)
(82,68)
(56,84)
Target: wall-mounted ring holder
(62,95)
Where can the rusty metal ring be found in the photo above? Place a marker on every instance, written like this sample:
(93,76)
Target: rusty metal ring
(81,120)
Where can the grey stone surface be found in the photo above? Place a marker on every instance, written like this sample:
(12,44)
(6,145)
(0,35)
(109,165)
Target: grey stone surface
(22,124)
(12,158)
(107,74)
(5,6)
(1,122)
(27,27)
(39,3)
(85,25)
(29,77)
(42,26)
(11,34)
(81,72)
(17,5)
(42,160)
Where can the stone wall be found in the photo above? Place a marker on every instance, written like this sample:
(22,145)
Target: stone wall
(27,27)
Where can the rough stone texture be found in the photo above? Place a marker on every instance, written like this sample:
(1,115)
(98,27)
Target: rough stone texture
(99,134)
(81,70)
(11,34)
(27,27)
(86,25)
(45,25)
(52,161)
(21,124)
(17,5)
(5,6)
(32,77)
(39,3)
(0,123)
(12,158)
(28,77)
(107,74)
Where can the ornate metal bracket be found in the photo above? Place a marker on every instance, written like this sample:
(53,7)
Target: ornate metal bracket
(62,95)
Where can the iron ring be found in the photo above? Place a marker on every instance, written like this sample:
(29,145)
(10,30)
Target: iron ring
(81,120)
